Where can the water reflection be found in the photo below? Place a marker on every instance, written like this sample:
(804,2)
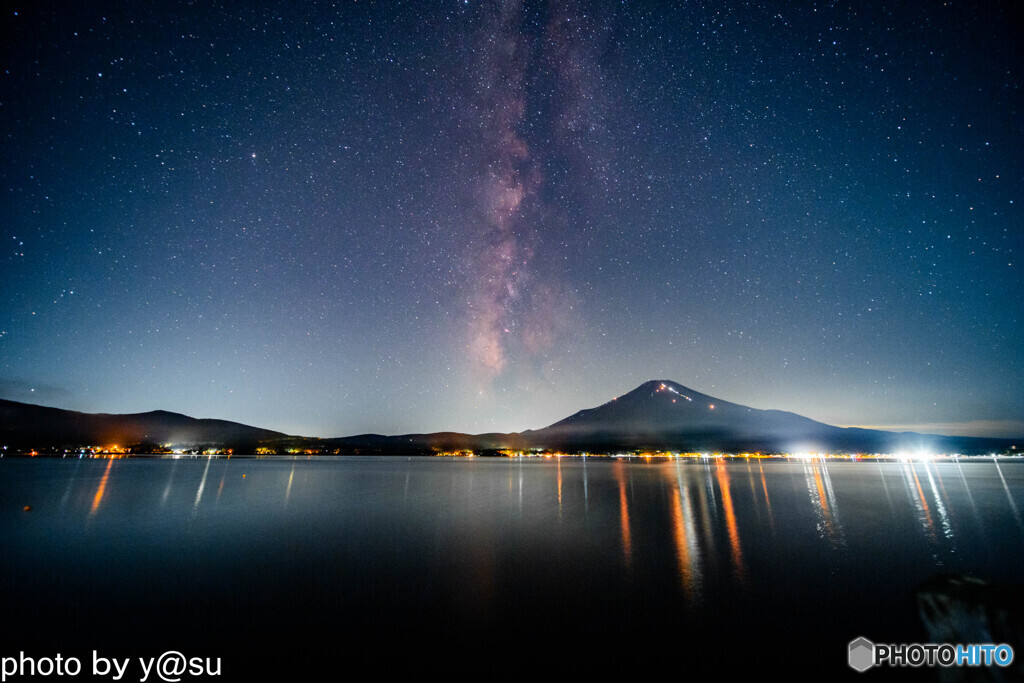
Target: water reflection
(721,472)
(202,485)
(708,513)
(559,461)
(885,486)
(586,493)
(520,463)
(767,498)
(288,488)
(1009,496)
(170,480)
(940,506)
(72,480)
(685,536)
(627,539)
(970,499)
(823,501)
(101,489)
(430,532)
(917,498)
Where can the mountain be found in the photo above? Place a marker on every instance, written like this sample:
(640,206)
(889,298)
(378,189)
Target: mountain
(657,415)
(664,414)
(23,425)
(661,414)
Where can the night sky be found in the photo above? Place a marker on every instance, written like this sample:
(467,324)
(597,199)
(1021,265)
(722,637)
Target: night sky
(338,218)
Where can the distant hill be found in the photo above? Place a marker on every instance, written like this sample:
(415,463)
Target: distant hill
(24,425)
(657,415)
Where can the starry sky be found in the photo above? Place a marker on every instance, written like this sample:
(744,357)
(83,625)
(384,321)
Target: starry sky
(338,218)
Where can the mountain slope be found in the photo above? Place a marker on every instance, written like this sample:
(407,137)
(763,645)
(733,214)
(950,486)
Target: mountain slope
(661,414)
(23,424)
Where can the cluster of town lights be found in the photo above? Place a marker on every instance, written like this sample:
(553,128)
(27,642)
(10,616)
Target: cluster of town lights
(801,455)
(117,451)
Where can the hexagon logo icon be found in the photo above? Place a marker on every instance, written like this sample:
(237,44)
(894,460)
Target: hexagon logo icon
(862,654)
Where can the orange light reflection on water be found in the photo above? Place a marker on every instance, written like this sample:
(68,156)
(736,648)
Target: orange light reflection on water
(822,498)
(730,518)
(682,546)
(559,488)
(627,542)
(924,503)
(98,498)
(767,500)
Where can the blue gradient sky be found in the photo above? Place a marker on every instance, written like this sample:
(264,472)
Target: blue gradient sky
(336,218)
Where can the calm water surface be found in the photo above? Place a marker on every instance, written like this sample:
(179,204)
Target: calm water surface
(484,565)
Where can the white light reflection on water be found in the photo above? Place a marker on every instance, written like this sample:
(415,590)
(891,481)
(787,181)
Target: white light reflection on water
(202,485)
(288,488)
(708,513)
(71,483)
(170,480)
(586,493)
(885,486)
(687,543)
(940,507)
(917,497)
(767,498)
(823,500)
(1009,496)
(967,489)
(731,525)
(497,545)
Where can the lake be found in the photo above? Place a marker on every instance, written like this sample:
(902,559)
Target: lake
(473,566)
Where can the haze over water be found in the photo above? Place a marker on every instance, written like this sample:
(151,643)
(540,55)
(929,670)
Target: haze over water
(414,563)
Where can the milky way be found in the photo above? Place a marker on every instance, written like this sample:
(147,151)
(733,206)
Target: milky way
(507,180)
(337,218)
(512,304)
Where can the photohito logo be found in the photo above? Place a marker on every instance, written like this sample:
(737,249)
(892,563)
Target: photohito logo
(863,654)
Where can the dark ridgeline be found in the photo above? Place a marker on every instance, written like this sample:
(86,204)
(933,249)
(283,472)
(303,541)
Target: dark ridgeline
(665,415)
(657,415)
(28,426)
